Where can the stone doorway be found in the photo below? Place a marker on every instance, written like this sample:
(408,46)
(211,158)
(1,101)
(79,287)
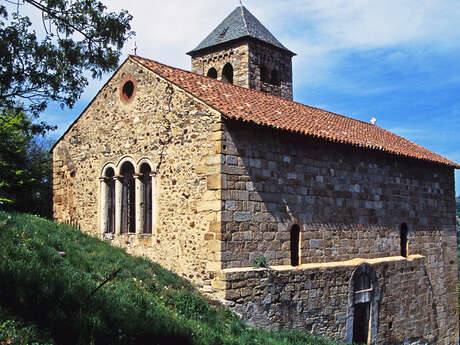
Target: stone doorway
(362,319)
(361,323)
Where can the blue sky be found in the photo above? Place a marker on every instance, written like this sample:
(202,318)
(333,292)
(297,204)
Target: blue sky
(397,61)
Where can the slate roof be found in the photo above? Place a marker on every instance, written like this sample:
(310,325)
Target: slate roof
(240,23)
(259,108)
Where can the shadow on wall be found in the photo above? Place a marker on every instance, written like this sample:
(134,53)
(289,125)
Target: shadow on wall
(276,180)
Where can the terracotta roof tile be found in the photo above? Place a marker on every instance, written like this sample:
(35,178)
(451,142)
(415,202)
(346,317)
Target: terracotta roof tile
(263,109)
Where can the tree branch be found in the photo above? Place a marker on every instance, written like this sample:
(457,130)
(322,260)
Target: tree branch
(55,16)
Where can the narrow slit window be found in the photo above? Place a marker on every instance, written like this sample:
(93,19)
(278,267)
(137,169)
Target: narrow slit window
(403,238)
(295,239)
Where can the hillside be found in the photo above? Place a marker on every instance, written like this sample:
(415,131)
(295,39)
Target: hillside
(53,292)
(457,200)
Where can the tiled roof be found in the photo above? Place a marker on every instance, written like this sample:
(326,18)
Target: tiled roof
(263,109)
(240,23)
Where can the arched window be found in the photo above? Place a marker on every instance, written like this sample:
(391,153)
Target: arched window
(275,79)
(295,237)
(108,201)
(403,238)
(363,305)
(128,202)
(212,73)
(264,74)
(227,73)
(146,180)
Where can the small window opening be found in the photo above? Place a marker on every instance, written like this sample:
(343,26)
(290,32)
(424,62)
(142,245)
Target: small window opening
(128,202)
(275,79)
(227,73)
(403,237)
(295,237)
(212,73)
(264,74)
(128,90)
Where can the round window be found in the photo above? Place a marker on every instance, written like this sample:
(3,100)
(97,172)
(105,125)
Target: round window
(128,90)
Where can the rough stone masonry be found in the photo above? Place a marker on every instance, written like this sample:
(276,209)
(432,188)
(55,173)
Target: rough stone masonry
(360,240)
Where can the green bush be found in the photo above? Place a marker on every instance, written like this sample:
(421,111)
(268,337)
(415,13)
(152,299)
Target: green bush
(260,262)
(142,304)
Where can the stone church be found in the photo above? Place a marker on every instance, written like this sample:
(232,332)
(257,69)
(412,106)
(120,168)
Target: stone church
(210,171)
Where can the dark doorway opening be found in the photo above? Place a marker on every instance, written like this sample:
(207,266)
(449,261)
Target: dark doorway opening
(361,323)
(295,237)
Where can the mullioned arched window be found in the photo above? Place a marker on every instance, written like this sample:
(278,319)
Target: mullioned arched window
(127,198)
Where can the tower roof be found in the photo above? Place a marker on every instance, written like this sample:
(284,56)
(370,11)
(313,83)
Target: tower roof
(240,23)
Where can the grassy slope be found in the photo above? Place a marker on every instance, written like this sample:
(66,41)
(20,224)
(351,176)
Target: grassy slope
(47,295)
(16,331)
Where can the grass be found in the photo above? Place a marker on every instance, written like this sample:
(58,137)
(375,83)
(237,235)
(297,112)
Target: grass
(53,298)
(16,331)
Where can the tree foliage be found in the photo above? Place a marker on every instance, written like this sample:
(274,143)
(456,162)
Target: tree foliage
(79,36)
(25,164)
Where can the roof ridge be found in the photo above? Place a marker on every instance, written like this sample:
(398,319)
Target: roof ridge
(261,108)
(233,85)
(244,19)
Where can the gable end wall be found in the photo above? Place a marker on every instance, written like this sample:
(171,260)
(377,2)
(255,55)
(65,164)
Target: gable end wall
(180,136)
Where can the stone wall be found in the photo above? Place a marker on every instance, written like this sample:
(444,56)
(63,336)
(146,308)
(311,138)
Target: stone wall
(315,297)
(274,60)
(176,134)
(227,192)
(349,202)
(247,58)
(235,53)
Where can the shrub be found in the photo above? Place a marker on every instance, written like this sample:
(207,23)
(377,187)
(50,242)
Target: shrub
(260,262)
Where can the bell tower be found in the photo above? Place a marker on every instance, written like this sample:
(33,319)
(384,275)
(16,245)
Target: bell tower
(243,52)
